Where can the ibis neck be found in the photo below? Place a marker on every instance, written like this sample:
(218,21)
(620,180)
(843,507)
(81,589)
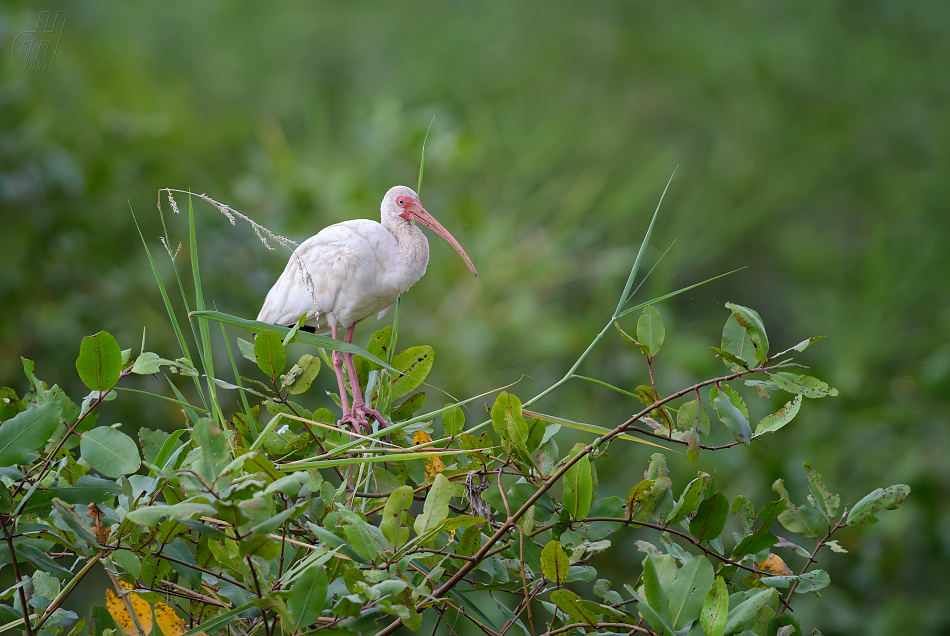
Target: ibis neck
(412,255)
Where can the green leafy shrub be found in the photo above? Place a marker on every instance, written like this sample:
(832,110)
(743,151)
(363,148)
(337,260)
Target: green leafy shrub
(267,518)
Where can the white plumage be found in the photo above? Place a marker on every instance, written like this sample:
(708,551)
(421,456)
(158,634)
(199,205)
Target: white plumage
(352,270)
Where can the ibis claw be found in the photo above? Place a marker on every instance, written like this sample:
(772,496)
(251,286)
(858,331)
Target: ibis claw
(361,411)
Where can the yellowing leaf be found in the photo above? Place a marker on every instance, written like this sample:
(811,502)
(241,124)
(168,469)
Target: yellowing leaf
(774,564)
(434,465)
(168,621)
(120,611)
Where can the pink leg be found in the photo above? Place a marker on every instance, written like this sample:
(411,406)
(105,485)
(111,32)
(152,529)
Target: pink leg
(360,410)
(338,368)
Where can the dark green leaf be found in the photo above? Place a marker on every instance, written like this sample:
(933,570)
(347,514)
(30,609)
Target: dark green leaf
(688,501)
(509,423)
(736,340)
(710,519)
(308,596)
(100,361)
(27,432)
(578,488)
(755,542)
(269,353)
(571,604)
(656,595)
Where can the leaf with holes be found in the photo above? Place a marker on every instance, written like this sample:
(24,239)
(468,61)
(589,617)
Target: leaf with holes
(775,421)
(687,592)
(555,564)
(415,363)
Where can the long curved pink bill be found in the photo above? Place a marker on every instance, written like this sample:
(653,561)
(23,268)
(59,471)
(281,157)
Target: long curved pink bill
(429,221)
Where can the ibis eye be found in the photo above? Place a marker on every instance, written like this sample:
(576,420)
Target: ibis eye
(401,202)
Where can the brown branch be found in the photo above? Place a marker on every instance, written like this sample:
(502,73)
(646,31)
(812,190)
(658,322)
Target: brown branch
(554,478)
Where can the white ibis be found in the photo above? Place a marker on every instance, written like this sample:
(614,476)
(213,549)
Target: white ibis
(356,269)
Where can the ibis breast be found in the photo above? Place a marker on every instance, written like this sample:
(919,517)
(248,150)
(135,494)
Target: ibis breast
(345,273)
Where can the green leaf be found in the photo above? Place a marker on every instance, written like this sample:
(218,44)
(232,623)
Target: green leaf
(715,612)
(408,408)
(864,513)
(398,502)
(775,421)
(221,620)
(801,519)
(309,367)
(554,563)
(453,421)
(736,341)
(731,416)
(27,431)
(710,519)
(802,384)
(269,353)
(152,515)
(247,349)
(415,363)
(643,349)
(109,451)
(572,605)
(744,614)
(784,621)
(731,360)
(637,497)
(436,507)
(656,595)
(100,361)
(693,414)
(688,501)
(650,330)
(808,582)
(578,488)
(749,320)
(755,542)
(509,423)
(307,597)
(823,499)
(687,593)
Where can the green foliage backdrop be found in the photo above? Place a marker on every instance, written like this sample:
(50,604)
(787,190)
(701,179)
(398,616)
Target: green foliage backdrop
(812,143)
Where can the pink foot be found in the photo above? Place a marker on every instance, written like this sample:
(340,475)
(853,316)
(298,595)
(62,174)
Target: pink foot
(355,423)
(361,410)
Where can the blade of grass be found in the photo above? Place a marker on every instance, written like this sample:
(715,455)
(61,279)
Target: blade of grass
(604,384)
(654,301)
(164,397)
(302,337)
(168,303)
(643,247)
(255,430)
(204,345)
(188,410)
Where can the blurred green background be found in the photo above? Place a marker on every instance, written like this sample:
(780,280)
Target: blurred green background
(812,145)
